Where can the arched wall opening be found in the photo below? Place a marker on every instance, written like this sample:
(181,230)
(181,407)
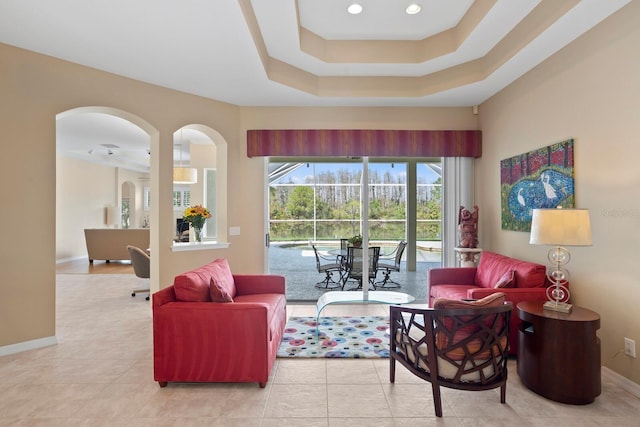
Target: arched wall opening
(94,174)
(131,213)
(203,148)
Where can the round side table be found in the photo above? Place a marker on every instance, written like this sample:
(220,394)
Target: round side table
(559,353)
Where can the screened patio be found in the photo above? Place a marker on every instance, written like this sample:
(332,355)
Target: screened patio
(296,261)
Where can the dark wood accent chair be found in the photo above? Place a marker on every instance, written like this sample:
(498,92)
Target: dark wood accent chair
(460,348)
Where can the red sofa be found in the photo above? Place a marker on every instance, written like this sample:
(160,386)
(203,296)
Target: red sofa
(214,326)
(519,280)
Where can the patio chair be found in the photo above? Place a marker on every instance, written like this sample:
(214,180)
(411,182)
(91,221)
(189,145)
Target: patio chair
(390,263)
(353,266)
(342,257)
(328,266)
(456,344)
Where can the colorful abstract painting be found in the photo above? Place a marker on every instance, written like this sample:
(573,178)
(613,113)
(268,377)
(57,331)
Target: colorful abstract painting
(541,178)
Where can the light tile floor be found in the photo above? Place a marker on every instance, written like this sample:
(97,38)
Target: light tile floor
(100,374)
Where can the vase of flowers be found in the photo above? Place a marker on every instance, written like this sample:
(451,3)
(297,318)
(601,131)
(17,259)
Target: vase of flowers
(197,215)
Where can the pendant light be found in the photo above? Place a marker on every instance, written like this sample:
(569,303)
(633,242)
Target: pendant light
(181,174)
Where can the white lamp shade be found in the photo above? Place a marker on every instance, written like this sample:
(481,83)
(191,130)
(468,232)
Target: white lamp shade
(185,175)
(560,227)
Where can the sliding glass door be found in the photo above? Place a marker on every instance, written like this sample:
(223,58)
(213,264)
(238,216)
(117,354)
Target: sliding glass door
(320,202)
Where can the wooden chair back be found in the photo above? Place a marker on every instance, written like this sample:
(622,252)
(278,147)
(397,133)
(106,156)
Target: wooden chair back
(465,349)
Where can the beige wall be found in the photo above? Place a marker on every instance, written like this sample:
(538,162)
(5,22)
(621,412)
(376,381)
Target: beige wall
(589,91)
(35,88)
(82,191)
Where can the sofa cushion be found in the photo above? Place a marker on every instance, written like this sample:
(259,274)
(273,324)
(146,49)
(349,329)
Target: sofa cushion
(450,291)
(506,281)
(193,286)
(530,275)
(219,293)
(443,340)
(493,266)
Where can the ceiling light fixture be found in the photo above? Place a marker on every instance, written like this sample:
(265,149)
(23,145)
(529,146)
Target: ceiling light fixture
(354,9)
(185,175)
(413,9)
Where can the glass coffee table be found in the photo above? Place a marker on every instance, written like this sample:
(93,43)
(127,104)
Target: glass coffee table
(357,297)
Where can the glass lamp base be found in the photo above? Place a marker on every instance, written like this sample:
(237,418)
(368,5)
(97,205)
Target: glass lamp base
(562,307)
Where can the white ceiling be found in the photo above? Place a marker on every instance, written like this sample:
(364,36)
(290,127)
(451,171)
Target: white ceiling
(227,49)
(113,141)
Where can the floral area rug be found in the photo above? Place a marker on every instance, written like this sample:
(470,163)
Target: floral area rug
(339,337)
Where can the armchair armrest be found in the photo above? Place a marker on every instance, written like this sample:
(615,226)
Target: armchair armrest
(164,296)
(247,284)
(452,276)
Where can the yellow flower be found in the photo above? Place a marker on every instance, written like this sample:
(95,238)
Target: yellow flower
(196,212)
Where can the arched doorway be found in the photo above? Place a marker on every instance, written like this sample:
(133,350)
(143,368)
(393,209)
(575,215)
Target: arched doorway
(103,153)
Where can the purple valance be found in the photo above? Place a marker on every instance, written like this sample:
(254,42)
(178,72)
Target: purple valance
(363,142)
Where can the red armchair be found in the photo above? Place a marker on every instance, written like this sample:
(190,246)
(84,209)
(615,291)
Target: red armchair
(196,339)
(518,280)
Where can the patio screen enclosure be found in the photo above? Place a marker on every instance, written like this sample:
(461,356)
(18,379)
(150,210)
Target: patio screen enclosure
(320,201)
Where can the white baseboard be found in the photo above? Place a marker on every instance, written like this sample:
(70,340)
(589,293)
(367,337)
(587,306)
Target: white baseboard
(621,381)
(28,345)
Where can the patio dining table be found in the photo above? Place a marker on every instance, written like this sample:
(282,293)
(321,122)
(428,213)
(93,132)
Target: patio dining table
(346,270)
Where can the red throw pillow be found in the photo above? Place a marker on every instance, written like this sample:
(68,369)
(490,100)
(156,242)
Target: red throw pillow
(221,273)
(219,293)
(506,281)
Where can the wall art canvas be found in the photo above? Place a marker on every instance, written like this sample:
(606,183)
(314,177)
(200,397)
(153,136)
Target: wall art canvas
(541,178)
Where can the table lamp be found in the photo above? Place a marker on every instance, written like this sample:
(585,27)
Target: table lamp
(559,228)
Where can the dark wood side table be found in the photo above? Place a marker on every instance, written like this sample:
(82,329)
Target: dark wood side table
(559,353)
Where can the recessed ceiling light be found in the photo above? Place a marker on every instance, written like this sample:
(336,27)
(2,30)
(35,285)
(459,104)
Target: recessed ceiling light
(354,9)
(413,8)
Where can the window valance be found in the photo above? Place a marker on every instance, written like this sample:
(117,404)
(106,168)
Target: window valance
(363,142)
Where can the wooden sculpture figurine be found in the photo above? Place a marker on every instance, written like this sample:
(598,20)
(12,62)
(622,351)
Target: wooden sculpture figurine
(468,228)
